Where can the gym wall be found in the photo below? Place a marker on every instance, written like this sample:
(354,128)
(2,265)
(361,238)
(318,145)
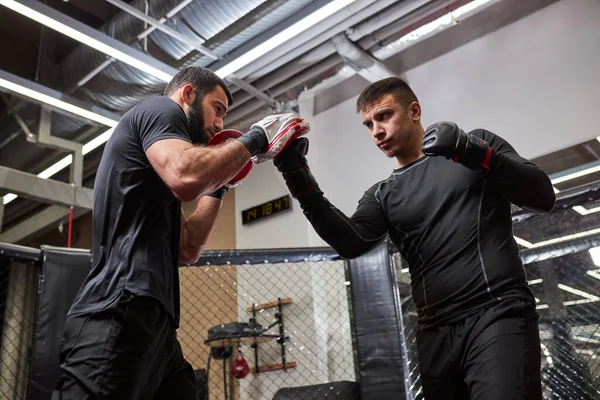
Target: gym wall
(533,82)
(317,318)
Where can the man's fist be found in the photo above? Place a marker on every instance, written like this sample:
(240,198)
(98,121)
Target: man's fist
(292,164)
(446,139)
(293,157)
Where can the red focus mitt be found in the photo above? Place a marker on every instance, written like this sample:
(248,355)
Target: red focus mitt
(221,138)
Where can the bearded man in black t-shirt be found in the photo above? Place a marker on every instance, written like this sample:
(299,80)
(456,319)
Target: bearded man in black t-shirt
(478,336)
(120,335)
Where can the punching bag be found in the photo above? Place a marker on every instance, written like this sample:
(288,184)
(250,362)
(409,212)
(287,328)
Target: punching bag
(240,368)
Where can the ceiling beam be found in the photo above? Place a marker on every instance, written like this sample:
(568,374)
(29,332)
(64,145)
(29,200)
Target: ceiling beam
(45,190)
(247,87)
(195,43)
(39,224)
(89,36)
(57,101)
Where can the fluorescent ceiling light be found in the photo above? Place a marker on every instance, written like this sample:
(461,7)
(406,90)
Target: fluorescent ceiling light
(577,174)
(431,28)
(546,354)
(9,197)
(535,281)
(561,239)
(575,302)
(97,141)
(586,339)
(578,292)
(523,242)
(541,306)
(584,211)
(52,101)
(85,39)
(595,254)
(282,37)
(594,273)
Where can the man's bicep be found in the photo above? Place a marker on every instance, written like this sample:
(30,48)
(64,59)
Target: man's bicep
(165,158)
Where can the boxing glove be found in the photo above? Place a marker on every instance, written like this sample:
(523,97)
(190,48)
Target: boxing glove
(293,165)
(271,135)
(446,139)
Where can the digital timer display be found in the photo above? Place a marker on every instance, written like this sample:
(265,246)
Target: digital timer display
(266,209)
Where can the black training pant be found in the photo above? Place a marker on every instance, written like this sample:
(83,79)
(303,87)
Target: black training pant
(128,352)
(493,355)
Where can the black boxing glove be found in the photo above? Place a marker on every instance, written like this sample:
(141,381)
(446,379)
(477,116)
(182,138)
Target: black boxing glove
(446,139)
(293,165)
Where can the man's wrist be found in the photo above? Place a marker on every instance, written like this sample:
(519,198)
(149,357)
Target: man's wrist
(254,140)
(219,193)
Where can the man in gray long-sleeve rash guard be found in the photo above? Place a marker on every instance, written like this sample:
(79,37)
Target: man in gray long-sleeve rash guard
(478,336)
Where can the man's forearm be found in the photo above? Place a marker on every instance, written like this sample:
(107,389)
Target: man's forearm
(205,169)
(197,228)
(523,183)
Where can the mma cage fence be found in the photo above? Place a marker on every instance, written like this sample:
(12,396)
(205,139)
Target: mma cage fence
(305,324)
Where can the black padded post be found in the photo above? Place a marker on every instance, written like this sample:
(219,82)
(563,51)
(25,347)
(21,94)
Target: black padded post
(377,327)
(62,273)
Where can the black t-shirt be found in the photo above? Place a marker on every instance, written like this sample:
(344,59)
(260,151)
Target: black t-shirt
(452,226)
(136,217)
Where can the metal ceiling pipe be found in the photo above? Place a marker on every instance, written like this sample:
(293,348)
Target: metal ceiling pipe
(248,109)
(397,13)
(391,16)
(375,22)
(390,33)
(287,76)
(125,28)
(307,40)
(360,61)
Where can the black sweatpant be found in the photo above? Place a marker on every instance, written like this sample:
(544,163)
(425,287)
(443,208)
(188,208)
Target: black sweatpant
(128,352)
(493,355)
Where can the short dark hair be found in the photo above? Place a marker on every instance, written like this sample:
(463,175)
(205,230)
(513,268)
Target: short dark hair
(203,80)
(397,87)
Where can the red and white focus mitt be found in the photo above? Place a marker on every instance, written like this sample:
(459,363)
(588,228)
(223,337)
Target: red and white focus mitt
(280,130)
(222,137)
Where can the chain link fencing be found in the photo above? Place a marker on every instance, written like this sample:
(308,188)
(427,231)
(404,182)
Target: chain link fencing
(300,309)
(18,285)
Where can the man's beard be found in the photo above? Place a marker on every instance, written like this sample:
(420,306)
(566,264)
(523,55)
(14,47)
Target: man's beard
(195,117)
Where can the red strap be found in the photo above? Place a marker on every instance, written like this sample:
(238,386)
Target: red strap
(70,227)
(486,162)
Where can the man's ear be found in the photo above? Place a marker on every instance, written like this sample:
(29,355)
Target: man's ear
(188,94)
(414,111)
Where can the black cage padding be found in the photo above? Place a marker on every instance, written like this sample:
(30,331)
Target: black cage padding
(377,326)
(343,390)
(62,273)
